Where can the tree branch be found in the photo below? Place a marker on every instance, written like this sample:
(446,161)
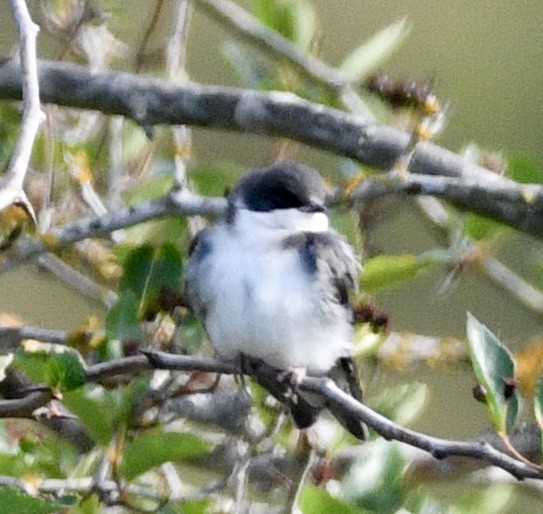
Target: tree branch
(517,205)
(326,388)
(231,15)
(245,26)
(76,485)
(11,190)
(178,203)
(152,101)
(438,448)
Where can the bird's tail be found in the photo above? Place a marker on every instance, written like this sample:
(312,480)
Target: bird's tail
(305,410)
(345,376)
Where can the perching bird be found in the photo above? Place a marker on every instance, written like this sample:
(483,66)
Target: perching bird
(270,281)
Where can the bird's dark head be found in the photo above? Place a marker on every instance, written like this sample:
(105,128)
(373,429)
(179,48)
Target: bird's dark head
(285,185)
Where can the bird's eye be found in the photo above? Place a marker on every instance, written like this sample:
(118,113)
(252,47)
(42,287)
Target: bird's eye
(313,208)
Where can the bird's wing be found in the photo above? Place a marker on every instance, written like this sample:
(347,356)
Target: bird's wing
(329,257)
(195,268)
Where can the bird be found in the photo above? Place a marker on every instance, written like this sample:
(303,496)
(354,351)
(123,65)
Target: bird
(270,281)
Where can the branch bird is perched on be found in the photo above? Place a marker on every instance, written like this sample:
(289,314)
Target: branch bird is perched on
(270,281)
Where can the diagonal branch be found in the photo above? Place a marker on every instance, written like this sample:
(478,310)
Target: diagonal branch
(152,101)
(246,26)
(326,388)
(437,447)
(180,203)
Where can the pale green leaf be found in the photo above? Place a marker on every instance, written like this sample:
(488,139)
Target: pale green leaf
(494,365)
(95,413)
(386,271)
(155,448)
(375,51)
(319,501)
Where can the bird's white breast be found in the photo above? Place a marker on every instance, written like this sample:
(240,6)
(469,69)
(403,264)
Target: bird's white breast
(262,302)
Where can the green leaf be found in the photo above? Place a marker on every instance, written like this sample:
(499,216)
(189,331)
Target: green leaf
(33,364)
(538,407)
(493,365)
(374,51)
(276,15)
(166,272)
(525,169)
(304,23)
(376,482)
(47,457)
(13,500)
(89,505)
(172,230)
(136,269)
(479,227)
(402,403)
(386,271)
(490,500)
(147,270)
(57,366)
(195,507)
(96,414)
(122,319)
(65,371)
(151,189)
(295,20)
(154,448)
(213,180)
(319,501)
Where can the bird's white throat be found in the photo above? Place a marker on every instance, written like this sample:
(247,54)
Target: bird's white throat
(291,220)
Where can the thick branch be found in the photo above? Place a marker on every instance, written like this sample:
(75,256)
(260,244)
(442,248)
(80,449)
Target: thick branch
(517,205)
(152,101)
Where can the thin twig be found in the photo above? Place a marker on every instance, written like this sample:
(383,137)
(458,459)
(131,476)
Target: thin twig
(147,36)
(77,280)
(438,448)
(244,25)
(11,190)
(74,485)
(293,501)
(250,29)
(171,205)
(174,482)
(17,334)
(519,288)
(182,138)
(504,277)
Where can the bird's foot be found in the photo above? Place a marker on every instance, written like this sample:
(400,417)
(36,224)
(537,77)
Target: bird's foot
(293,376)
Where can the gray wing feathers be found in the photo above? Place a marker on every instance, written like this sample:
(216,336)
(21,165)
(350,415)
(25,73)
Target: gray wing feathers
(328,256)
